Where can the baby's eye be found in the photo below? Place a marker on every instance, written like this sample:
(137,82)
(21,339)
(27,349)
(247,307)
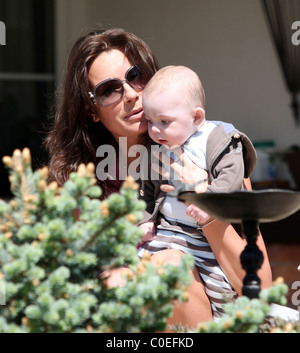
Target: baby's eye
(165,122)
(147,119)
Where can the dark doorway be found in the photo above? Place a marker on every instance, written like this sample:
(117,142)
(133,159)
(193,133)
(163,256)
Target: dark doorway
(27,78)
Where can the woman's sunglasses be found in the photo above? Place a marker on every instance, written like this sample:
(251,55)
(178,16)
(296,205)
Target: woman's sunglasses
(111,91)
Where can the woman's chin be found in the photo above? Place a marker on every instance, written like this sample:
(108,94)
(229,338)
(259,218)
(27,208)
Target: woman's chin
(142,127)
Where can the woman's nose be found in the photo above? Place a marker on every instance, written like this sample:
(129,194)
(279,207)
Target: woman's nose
(129,93)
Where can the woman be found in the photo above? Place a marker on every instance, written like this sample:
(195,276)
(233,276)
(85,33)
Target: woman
(80,125)
(102,102)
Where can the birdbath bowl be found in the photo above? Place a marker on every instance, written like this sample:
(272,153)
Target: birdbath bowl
(248,208)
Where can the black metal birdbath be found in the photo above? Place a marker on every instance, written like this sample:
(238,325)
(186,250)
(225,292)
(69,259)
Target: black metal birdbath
(249,208)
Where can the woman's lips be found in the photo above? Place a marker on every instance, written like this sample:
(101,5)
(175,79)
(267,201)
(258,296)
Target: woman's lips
(135,115)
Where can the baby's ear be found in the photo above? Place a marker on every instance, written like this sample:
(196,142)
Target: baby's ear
(199,116)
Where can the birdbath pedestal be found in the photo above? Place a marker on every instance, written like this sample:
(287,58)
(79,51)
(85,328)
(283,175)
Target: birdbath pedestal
(248,208)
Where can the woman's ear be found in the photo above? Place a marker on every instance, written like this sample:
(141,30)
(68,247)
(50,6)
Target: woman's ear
(95,118)
(199,116)
(92,115)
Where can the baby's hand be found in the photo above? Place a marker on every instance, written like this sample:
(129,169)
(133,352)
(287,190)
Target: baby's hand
(149,231)
(199,216)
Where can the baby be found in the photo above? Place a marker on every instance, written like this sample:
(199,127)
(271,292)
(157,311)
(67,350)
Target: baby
(174,106)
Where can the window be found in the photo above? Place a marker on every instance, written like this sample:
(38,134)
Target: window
(26,78)
(282,17)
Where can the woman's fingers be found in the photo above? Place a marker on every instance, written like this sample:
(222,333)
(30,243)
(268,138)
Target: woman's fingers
(189,172)
(201,186)
(167,188)
(162,171)
(184,159)
(179,169)
(165,169)
(165,159)
(186,172)
(169,162)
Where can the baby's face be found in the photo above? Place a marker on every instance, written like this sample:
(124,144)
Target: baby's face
(170,119)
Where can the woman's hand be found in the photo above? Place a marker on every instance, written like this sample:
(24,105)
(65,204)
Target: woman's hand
(188,172)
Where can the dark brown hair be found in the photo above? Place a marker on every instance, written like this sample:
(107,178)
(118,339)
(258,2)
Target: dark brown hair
(73,138)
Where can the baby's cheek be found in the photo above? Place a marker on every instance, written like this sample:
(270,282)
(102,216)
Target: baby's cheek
(150,133)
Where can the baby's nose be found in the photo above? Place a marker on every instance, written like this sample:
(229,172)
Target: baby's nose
(155,129)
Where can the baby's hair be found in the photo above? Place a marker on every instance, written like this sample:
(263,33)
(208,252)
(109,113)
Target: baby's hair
(181,78)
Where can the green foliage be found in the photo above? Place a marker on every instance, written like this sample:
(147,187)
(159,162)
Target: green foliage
(144,303)
(55,242)
(252,316)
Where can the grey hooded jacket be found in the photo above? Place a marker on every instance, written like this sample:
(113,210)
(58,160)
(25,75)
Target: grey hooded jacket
(230,158)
